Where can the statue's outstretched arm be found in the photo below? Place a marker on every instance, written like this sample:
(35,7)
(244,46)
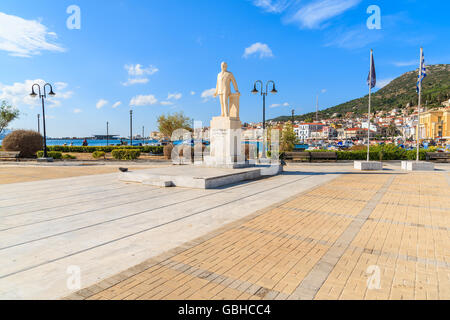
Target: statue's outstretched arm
(234,84)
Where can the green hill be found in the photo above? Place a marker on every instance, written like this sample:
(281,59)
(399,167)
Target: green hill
(397,94)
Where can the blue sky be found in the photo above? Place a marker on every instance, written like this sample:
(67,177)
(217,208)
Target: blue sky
(164,56)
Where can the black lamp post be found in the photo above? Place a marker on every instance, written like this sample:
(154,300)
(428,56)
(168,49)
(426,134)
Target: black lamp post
(39,123)
(131,127)
(43,96)
(264,94)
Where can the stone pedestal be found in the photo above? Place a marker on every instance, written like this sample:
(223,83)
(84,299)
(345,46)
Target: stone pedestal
(234,105)
(417,166)
(368,165)
(226,145)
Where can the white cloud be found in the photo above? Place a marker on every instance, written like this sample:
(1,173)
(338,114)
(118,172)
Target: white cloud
(258,48)
(60,86)
(166,103)
(192,93)
(355,37)
(25,38)
(137,74)
(317,12)
(131,81)
(77,111)
(101,103)
(174,96)
(115,105)
(323,90)
(208,94)
(383,82)
(274,6)
(136,70)
(142,100)
(311,15)
(18,94)
(277,105)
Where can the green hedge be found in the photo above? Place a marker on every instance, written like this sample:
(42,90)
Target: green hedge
(68,156)
(98,154)
(91,149)
(381,152)
(381,155)
(126,154)
(52,154)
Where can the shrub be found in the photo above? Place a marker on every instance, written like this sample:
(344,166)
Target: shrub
(68,156)
(168,151)
(52,154)
(412,155)
(26,141)
(126,154)
(98,154)
(106,149)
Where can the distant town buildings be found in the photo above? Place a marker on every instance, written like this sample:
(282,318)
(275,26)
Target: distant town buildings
(396,124)
(435,124)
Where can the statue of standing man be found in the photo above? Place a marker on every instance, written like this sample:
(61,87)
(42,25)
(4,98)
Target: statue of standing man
(223,89)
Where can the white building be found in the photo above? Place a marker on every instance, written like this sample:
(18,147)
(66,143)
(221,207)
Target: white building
(304,131)
(373,127)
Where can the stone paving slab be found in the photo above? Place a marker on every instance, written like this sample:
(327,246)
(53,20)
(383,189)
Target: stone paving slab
(356,244)
(104,226)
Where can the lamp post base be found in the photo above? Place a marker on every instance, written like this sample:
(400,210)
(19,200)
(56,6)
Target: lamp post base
(368,165)
(417,166)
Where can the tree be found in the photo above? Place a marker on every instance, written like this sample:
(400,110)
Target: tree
(288,138)
(392,131)
(7,115)
(168,124)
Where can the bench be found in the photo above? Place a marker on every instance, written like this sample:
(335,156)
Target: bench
(10,155)
(297,156)
(323,156)
(438,156)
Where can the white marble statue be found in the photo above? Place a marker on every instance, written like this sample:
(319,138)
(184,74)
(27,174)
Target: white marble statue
(223,90)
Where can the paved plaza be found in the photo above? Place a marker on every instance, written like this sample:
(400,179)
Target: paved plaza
(315,232)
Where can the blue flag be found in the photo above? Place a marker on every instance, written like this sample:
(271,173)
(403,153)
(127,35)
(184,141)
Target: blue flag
(424,72)
(372,82)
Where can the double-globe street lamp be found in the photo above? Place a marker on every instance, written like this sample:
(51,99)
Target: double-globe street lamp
(43,96)
(264,94)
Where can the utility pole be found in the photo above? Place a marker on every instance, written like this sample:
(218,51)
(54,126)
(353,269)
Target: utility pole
(293,117)
(143,135)
(317,109)
(107,133)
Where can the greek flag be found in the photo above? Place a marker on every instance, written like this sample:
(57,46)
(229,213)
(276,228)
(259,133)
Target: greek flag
(424,72)
(372,81)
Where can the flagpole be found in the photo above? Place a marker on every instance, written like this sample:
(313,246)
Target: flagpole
(420,101)
(368,116)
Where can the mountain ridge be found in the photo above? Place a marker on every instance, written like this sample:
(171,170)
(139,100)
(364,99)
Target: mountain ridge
(399,93)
